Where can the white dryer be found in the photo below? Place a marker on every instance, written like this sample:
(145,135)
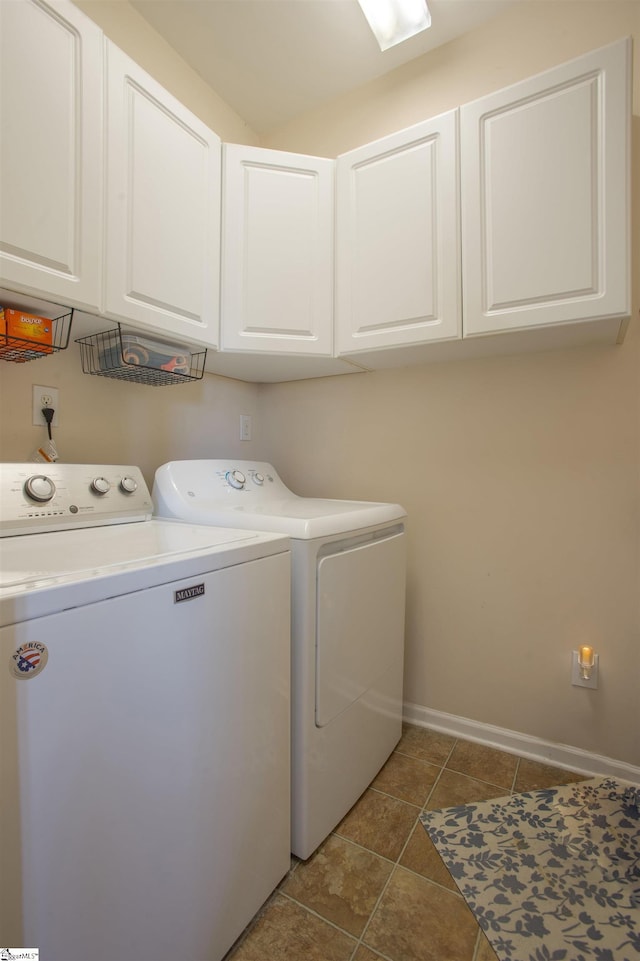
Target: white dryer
(144,721)
(348,602)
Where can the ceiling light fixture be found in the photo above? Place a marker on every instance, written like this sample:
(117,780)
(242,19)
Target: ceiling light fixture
(393,21)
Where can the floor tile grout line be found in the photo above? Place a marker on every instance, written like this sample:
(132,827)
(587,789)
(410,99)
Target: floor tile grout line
(450,754)
(515,776)
(397,862)
(441,768)
(414,757)
(502,787)
(385,957)
(333,924)
(440,764)
(393,796)
(476,950)
(320,917)
(374,909)
(435,784)
(362,847)
(393,864)
(436,884)
(396,865)
(444,766)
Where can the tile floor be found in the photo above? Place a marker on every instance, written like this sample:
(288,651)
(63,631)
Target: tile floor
(377,888)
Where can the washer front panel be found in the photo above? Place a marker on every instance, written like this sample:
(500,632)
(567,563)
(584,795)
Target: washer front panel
(43,573)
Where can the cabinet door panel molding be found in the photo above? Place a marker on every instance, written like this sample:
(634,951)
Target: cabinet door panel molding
(163,208)
(398,241)
(545,188)
(51,183)
(277,251)
(500,226)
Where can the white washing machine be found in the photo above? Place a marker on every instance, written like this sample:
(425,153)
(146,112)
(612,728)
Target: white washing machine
(348,601)
(144,721)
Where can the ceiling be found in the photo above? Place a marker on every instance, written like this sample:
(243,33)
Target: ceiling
(274,59)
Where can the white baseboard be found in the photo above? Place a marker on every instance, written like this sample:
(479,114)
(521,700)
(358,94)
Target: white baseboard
(547,752)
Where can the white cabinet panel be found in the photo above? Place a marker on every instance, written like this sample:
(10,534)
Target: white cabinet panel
(51,149)
(398,250)
(277,252)
(545,197)
(163,208)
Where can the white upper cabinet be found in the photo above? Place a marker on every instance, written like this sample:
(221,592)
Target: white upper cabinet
(277,252)
(163,208)
(398,247)
(51,149)
(546,197)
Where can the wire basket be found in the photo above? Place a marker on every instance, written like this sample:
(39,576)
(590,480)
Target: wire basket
(139,359)
(19,350)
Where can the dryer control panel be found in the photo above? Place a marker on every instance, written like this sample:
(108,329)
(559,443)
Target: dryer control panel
(222,482)
(251,495)
(35,498)
(247,476)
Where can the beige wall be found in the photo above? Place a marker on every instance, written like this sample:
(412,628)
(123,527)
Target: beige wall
(533,36)
(521,475)
(131,32)
(103,420)
(107,421)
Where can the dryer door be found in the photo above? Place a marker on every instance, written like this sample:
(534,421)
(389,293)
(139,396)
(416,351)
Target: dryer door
(360,622)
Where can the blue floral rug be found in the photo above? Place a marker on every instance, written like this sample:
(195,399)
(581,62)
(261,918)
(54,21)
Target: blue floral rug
(550,875)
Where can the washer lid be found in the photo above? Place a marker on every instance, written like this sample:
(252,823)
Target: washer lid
(42,573)
(204,492)
(73,555)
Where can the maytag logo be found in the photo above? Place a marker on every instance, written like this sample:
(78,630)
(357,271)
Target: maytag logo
(188,593)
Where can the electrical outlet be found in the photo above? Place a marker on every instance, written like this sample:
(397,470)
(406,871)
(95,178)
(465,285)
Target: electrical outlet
(245,427)
(45,397)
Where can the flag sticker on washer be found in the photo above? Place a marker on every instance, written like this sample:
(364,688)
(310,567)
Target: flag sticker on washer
(29,660)
(188,593)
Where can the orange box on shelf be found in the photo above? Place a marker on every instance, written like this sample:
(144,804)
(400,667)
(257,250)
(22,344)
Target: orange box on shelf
(17,326)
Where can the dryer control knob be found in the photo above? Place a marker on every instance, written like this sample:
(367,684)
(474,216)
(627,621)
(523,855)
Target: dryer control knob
(235,478)
(128,485)
(100,485)
(40,488)
(258,479)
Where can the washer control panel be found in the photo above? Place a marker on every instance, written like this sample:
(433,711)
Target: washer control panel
(35,498)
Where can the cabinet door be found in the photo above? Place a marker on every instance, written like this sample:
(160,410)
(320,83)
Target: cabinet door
(545,197)
(163,208)
(51,149)
(398,251)
(277,252)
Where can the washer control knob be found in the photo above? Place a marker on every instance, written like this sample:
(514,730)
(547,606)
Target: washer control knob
(40,488)
(258,479)
(235,478)
(128,485)
(100,485)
